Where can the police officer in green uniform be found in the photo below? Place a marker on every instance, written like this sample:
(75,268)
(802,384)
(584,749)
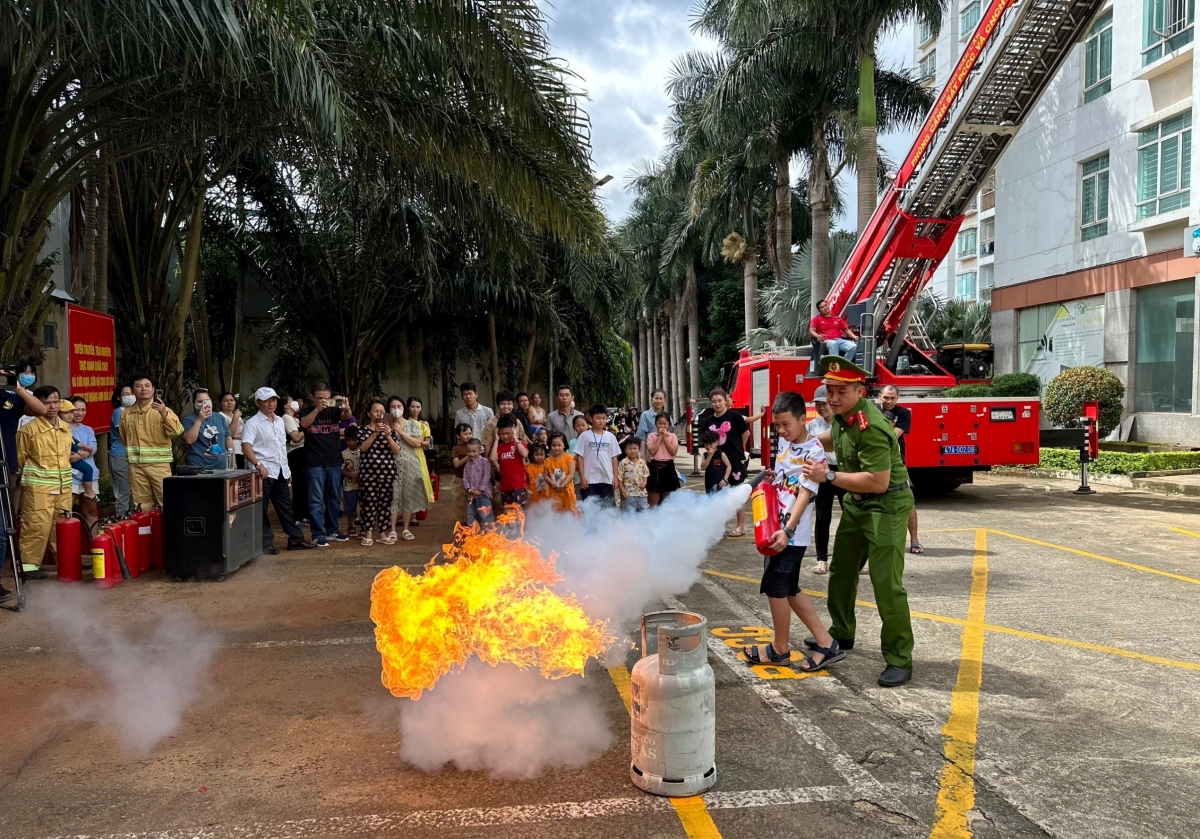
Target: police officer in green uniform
(874,516)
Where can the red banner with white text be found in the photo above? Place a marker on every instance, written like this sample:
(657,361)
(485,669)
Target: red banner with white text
(92,362)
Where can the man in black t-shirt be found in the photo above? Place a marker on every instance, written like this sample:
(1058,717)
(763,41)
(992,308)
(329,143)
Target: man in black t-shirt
(323,450)
(733,432)
(901,420)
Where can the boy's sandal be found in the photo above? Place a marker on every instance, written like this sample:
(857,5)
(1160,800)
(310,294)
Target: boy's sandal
(916,548)
(754,657)
(833,654)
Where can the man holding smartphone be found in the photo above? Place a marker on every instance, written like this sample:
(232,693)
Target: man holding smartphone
(147,430)
(323,445)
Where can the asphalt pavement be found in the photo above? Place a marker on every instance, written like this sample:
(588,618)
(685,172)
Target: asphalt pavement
(1055,693)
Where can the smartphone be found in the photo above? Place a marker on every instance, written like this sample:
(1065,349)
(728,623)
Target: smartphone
(158,396)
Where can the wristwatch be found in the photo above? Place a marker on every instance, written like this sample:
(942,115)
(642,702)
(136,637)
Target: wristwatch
(790,531)
(830,476)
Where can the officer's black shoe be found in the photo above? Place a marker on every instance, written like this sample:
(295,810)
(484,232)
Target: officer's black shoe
(846,645)
(893,676)
(271,551)
(300,546)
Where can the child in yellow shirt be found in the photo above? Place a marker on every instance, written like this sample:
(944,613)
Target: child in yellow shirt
(535,475)
(559,470)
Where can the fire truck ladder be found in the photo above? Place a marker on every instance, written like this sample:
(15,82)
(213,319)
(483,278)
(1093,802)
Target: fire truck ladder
(1018,48)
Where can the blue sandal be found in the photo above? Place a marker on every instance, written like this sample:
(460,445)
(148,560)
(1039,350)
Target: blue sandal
(833,654)
(773,657)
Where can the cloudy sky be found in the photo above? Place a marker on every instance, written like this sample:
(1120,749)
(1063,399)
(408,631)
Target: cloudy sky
(623,51)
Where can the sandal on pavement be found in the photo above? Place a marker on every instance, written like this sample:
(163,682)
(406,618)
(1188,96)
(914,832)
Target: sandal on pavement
(366,541)
(832,655)
(772,657)
(408,535)
(735,533)
(822,567)
(916,548)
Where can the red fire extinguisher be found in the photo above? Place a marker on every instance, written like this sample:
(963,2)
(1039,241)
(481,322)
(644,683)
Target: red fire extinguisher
(68,532)
(128,544)
(112,565)
(437,486)
(145,541)
(104,567)
(764,508)
(156,540)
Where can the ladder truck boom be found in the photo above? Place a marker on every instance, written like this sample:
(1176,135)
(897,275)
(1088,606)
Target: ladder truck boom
(1016,51)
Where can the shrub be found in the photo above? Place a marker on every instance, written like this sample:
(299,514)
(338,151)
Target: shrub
(965,391)
(1017,384)
(1071,388)
(1120,463)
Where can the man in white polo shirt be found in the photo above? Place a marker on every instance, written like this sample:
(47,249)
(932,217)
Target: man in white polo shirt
(265,447)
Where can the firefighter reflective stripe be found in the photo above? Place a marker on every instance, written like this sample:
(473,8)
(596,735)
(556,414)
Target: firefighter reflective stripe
(44,455)
(147,434)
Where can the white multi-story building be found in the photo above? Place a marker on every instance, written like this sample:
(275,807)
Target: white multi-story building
(1093,213)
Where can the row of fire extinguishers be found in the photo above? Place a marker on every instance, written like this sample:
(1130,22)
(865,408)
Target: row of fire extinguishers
(119,551)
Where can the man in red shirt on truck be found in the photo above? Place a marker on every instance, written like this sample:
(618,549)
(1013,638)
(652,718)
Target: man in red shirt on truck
(834,333)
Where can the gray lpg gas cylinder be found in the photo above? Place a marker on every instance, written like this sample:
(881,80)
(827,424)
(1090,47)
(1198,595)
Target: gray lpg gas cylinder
(673,698)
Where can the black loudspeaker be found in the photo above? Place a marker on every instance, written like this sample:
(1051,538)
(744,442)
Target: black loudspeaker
(212,522)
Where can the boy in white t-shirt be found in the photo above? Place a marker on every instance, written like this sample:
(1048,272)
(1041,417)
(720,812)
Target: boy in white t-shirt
(596,453)
(781,573)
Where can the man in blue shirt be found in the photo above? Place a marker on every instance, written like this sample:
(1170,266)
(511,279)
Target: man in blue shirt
(206,434)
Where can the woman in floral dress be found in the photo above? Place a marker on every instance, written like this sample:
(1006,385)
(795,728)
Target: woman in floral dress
(408,493)
(378,448)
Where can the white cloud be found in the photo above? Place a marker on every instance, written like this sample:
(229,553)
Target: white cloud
(623,51)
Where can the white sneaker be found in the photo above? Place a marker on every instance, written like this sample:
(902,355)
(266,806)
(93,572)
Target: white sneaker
(822,567)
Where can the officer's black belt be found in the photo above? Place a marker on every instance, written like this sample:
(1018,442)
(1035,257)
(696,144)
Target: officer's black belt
(867,496)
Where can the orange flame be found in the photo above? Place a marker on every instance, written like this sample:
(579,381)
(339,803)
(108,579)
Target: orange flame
(492,600)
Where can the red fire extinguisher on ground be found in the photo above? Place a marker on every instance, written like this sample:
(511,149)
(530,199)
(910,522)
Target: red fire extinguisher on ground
(156,540)
(105,571)
(127,545)
(68,532)
(112,564)
(145,541)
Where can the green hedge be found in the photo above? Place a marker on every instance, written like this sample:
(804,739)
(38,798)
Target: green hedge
(1008,385)
(1121,463)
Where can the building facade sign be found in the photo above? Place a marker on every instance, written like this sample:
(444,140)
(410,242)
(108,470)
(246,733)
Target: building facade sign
(1071,335)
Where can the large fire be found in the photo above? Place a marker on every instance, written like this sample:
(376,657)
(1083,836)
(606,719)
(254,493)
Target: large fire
(492,600)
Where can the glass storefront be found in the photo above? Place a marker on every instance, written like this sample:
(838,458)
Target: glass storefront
(1165,339)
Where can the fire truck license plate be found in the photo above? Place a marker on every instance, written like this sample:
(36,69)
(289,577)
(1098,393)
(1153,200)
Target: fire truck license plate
(960,449)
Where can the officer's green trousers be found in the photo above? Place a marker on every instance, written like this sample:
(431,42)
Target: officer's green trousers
(873,530)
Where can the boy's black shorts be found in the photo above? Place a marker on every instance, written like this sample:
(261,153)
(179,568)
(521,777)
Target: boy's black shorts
(515,497)
(781,573)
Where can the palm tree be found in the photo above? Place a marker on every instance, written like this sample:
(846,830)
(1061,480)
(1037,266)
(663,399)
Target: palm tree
(786,303)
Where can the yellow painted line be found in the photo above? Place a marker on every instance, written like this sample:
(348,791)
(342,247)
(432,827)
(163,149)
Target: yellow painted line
(693,813)
(1078,552)
(1186,532)
(1016,633)
(956,793)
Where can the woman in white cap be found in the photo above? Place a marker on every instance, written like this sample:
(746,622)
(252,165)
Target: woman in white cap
(265,446)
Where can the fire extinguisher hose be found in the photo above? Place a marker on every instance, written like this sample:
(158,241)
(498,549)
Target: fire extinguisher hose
(125,575)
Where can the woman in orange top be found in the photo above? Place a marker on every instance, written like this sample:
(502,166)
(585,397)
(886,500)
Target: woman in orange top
(559,470)
(535,474)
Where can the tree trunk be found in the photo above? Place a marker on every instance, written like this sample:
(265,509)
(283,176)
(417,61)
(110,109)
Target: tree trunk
(672,359)
(495,348)
(188,271)
(868,149)
(200,329)
(750,278)
(783,214)
(655,348)
(819,200)
(87,292)
(528,360)
(680,359)
(664,336)
(693,326)
(102,210)
(635,356)
(239,299)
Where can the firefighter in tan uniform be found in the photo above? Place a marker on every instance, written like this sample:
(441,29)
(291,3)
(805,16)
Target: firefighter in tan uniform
(44,458)
(147,430)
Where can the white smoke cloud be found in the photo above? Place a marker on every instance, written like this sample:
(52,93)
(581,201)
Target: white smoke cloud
(145,685)
(513,723)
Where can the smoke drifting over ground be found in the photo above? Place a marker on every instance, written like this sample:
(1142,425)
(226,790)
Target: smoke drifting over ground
(145,684)
(514,723)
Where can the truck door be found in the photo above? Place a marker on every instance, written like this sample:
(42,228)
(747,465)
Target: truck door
(760,398)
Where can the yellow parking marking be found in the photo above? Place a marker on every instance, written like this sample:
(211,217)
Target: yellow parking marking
(1008,630)
(1078,552)
(956,794)
(1186,532)
(692,812)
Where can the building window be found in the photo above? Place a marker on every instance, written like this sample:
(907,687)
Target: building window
(1166,26)
(1164,166)
(987,239)
(924,31)
(1057,336)
(1165,335)
(968,19)
(966,244)
(965,287)
(50,334)
(987,275)
(1094,222)
(987,195)
(1097,58)
(927,69)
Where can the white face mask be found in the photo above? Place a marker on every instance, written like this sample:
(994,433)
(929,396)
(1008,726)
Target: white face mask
(397,412)
(129,401)
(295,406)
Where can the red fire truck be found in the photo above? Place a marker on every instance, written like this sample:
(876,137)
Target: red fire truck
(1015,53)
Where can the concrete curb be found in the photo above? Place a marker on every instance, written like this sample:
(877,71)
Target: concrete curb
(1064,475)
(1167,487)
